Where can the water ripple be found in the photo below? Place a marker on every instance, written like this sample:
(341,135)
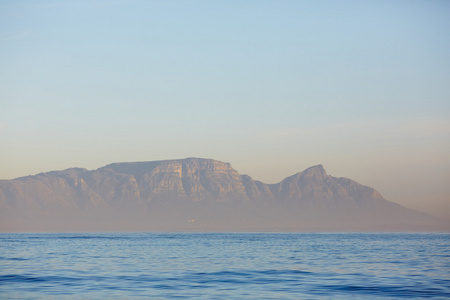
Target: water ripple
(224,266)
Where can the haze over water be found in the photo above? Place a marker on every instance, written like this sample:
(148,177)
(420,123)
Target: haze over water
(225,266)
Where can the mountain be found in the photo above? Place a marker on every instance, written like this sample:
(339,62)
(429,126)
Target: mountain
(195,194)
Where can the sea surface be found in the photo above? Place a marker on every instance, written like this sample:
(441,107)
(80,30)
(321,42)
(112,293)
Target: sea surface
(225,266)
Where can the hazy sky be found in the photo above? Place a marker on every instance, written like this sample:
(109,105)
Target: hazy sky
(273,87)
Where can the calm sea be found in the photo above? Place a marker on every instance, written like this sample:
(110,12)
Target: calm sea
(224,266)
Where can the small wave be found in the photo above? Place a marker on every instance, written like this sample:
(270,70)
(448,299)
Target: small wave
(19,278)
(13,258)
(384,290)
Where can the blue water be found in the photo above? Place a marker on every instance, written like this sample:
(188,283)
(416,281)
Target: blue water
(224,266)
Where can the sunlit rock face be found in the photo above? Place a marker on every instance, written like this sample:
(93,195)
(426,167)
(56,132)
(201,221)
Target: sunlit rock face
(195,194)
(191,178)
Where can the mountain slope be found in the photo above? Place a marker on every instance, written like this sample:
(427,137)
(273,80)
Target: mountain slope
(196,194)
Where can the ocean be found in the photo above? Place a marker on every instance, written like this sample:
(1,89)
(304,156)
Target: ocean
(224,265)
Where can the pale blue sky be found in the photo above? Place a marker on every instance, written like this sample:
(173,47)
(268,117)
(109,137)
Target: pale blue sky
(273,87)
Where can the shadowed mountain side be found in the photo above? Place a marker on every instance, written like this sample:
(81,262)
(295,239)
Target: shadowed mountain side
(196,194)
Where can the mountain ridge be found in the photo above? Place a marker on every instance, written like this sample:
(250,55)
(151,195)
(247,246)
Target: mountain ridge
(197,194)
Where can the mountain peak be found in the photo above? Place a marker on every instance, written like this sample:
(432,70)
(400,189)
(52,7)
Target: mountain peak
(315,171)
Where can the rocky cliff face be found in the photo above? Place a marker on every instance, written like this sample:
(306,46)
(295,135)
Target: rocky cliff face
(196,194)
(192,178)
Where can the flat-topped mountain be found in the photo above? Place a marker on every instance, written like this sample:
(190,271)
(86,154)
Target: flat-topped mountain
(195,194)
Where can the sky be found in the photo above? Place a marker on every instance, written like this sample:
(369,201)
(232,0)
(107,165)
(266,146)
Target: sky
(273,87)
